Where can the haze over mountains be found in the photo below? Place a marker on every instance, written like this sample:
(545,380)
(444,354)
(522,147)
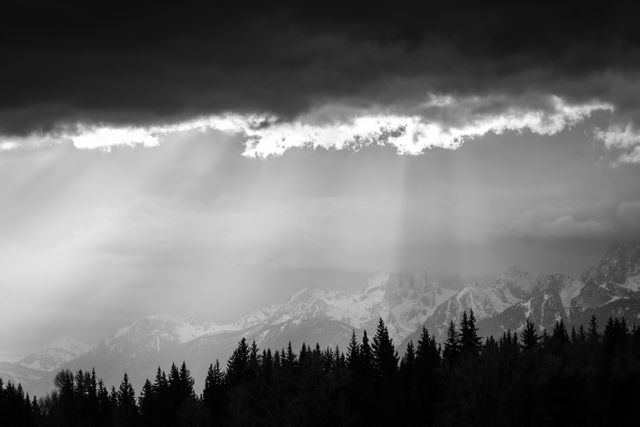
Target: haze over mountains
(405,302)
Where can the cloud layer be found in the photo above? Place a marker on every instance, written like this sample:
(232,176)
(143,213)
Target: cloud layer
(435,123)
(122,75)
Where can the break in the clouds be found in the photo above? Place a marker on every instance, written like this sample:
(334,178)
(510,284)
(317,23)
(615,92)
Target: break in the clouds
(320,75)
(441,122)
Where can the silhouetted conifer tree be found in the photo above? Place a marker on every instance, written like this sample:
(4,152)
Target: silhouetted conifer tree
(126,400)
(366,357)
(408,363)
(470,343)
(385,357)
(213,394)
(353,352)
(530,336)
(237,364)
(451,345)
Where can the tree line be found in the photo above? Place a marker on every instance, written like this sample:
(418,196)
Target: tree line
(576,377)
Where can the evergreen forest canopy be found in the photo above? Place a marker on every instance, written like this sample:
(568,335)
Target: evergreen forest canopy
(581,377)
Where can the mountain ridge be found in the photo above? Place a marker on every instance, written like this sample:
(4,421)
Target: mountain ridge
(406,303)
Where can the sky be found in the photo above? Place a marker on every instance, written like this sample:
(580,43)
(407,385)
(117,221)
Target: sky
(208,161)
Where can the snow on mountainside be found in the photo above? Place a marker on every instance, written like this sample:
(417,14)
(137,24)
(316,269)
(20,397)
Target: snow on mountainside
(312,315)
(35,372)
(511,288)
(616,276)
(402,301)
(53,355)
(157,332)
(36,383)
(550,301)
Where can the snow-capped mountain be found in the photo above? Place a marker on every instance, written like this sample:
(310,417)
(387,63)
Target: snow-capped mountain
(33,382)
(312,315)
(616,276)
(35,372)
(550,301)
(486,301)
(611,287)
(403,301)
(53,355)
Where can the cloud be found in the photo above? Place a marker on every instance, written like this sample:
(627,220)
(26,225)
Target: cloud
(568,226)
(66,64)
(434,123)
(623,140)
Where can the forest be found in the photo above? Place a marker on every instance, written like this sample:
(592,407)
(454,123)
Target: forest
(585,376)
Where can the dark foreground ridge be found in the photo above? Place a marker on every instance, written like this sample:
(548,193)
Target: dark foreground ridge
(582,377)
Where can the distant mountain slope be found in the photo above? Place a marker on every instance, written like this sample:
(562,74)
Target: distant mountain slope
(36,383)
(550,302)
(486,301)
(312,315)
(610,288)
(36,371)
(616,276)
(55,354)
(404,302)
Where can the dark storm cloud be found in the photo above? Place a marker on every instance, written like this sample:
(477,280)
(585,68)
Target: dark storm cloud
(120,63)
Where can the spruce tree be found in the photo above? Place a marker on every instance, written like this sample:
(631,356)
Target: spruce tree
(291,357)
(451,345)
(529,336)
(366,357)
(385,357)
(213,395)
(408,363)
(353,352)
(126,401)
(237,363)
(186,383)
(253,364)
(470,342)
(560,335)
(147,403)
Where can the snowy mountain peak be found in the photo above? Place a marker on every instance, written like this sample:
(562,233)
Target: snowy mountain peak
(165,328)
(620,262)
(402,301)
(53,355)
(518,282)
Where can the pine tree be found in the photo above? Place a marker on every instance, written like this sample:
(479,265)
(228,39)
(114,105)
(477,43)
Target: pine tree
(365,357)
(302,357)
(408,363)
(427,352)
(529,336)
(147,403)
(126,400)
(186,384)
(385,357)
(237,364)
(451,345)
(253,364)
(353,352)
(213,395)
(560,335)
(470,343)
(291,357)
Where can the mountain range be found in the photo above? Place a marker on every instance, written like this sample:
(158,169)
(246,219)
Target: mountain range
(406,302)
